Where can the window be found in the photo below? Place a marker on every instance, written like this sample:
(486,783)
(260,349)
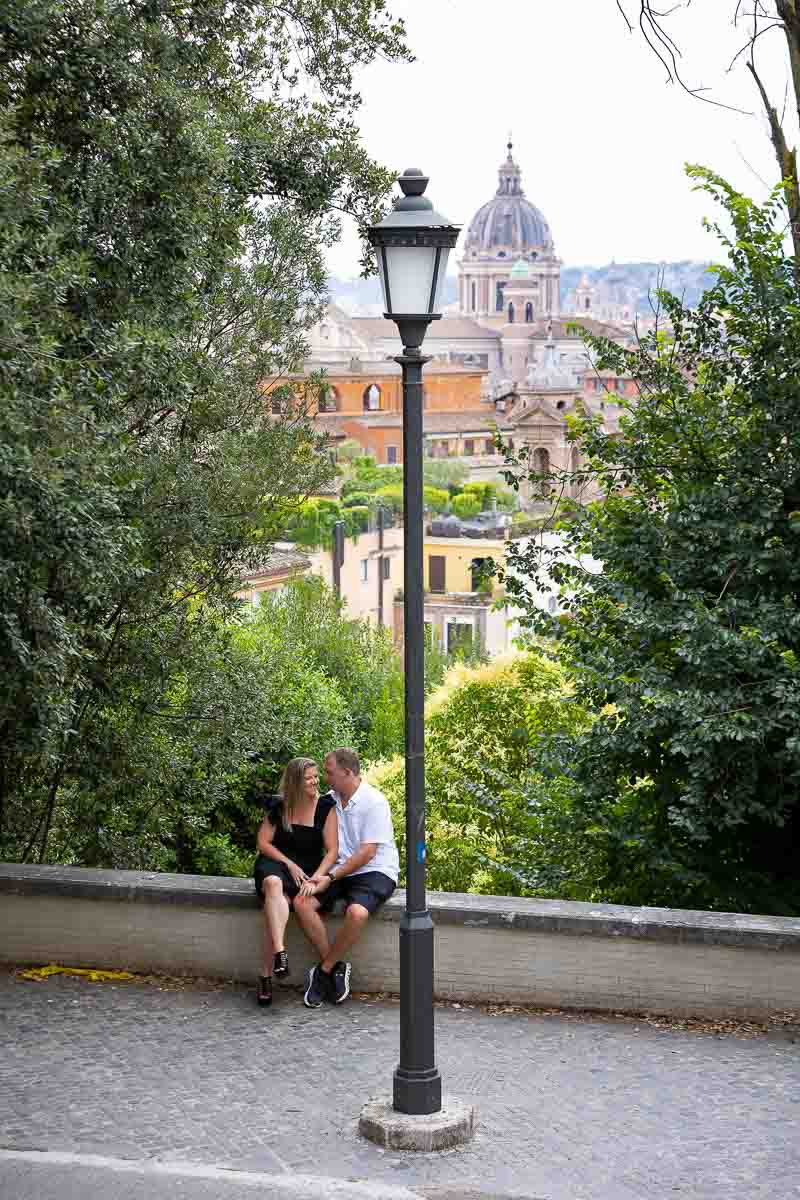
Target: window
(498,295)
(587,302)
(469,446)
(391,454)
(437,573)
(541,465)
(387,567)
(329,400)
(372,398)
(480,580)
(561,404)
(474,305)
(552,604)
(528,313)
(364,569)
(511,314)
(488,446)
(459,636)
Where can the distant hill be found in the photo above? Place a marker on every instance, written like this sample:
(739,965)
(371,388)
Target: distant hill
(687,280)
(362,297)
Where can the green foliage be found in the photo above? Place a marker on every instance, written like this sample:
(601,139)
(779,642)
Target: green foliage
(489,492)
(435,499)
(484,727)
(443,473)
(307,621)
(390,496)
(348,451)
(688,642)
(360,499)
(166,195)
(465,505)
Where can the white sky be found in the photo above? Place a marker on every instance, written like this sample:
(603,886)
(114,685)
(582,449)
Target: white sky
(600,136)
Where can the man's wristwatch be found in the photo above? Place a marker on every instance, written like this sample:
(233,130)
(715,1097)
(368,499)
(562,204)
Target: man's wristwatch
(330,874)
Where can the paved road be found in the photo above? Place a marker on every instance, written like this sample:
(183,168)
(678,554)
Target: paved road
(164,1093)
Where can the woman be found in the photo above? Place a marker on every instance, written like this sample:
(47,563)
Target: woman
(297,843)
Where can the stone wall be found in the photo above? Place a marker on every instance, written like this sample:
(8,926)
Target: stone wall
(546,953)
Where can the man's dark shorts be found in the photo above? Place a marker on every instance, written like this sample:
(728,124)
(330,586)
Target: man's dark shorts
(371,890)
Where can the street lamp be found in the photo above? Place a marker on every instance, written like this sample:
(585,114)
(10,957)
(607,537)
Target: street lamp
(412,245)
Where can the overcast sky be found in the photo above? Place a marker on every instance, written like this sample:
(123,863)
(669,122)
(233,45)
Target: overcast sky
(600,136)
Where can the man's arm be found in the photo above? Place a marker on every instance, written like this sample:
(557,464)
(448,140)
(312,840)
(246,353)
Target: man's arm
(365,852)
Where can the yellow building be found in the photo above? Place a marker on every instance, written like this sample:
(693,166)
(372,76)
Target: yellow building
(459,605)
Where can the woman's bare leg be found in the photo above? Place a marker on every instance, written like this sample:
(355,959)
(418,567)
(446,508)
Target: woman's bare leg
(268,951)
(276,914)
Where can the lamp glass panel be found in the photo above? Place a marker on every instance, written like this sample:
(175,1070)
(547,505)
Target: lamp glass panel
(410,277)
(382,277)
(437,300)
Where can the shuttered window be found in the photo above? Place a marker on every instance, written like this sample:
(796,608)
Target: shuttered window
(436,573)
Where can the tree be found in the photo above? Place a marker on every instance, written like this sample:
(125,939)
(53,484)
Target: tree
(166,193)
(445,473)
(466,504)
(761,17)
(310,624)
(487,805)
(687,643)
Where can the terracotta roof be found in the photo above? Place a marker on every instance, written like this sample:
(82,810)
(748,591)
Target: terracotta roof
(445,330)
(476,421)
(278,562)
(479,420)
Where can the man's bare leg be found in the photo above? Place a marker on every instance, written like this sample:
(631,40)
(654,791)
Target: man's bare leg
(306,910)
(352,927)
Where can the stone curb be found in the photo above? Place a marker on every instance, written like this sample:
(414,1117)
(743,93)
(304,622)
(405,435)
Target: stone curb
(666,925)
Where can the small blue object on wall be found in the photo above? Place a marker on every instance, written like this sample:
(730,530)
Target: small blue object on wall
(420,852)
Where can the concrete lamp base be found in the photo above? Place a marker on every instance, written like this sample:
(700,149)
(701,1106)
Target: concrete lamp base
(452,1126)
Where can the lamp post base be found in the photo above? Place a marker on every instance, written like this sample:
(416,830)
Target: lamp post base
(452,1125)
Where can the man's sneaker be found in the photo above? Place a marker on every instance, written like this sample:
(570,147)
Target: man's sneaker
(317,989)
(340,982)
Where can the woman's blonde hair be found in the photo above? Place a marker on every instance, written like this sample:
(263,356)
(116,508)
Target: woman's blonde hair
(290,788)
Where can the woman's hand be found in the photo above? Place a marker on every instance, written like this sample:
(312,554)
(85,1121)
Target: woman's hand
(298,875)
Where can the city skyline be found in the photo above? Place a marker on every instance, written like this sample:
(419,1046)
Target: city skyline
(599,135)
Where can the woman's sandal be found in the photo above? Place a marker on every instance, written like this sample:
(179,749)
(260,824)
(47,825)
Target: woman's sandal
(265,991)
(280,965)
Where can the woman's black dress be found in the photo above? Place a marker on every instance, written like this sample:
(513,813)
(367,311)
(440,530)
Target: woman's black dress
(303,844)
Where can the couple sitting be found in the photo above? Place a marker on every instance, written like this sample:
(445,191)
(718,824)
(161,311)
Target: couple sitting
(314,850)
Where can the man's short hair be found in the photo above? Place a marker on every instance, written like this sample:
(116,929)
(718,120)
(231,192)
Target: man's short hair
(347,759)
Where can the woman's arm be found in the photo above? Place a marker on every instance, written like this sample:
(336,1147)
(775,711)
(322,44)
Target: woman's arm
(319,881)
(330,839)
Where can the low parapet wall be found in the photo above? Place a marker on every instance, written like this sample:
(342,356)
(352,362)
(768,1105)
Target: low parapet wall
(542,953)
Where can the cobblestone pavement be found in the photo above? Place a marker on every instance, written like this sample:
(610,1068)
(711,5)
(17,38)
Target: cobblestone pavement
(568,1109)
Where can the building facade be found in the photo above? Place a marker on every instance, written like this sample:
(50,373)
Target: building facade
(503,358)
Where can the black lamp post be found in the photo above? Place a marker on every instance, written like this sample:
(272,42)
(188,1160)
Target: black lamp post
(412,245)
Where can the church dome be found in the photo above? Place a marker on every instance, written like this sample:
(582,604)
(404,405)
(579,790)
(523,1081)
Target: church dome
(509,225)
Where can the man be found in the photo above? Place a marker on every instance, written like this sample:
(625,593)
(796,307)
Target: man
(364,876)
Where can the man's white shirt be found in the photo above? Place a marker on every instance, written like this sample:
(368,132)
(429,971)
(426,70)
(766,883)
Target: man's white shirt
(367,818)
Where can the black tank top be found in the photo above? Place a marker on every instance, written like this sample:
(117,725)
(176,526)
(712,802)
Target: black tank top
(303,844)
